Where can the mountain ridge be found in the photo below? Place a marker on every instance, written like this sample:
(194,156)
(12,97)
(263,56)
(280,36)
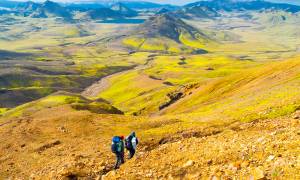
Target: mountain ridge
(43,10)
(180,36)
(230,5)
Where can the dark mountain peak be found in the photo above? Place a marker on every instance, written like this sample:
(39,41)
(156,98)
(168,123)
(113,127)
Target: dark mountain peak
(28,6)
(28,3)
(50,3)
(163,21)
(123,10)
(44,10)
(53,9)
(119,5)
(197,12)
(103,13)
(165,25)
(163,18)
(163,11)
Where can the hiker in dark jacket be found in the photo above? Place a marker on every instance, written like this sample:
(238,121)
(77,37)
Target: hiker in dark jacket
(117,148)
(131,143)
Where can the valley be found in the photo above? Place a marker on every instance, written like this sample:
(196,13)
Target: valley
(211,89)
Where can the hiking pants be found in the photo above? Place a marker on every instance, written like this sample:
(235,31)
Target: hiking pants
(120,160)
(131,152)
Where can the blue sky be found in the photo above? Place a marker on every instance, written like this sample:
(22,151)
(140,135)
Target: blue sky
(177,2)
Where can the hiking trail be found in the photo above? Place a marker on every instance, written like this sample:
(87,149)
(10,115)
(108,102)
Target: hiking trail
(95,89)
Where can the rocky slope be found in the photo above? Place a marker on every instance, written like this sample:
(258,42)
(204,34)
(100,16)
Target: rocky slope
(57,142)
(61,143)
(258,150)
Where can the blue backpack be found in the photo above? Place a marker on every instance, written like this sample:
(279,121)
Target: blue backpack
(116,146)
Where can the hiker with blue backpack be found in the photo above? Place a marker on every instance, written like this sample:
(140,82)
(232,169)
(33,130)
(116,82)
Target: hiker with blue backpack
(131,143)
(117,148)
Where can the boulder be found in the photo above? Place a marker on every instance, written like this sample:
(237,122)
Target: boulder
(258,173)
(188,164)
(297,115)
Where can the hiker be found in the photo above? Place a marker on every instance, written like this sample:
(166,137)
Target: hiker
(131,142)
(117,148)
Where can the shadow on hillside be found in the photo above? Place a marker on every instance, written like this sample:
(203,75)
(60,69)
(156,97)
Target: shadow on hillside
(11,54)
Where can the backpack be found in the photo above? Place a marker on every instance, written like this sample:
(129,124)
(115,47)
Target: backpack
(116,146)
(134,142)
(131,142)
(128,142)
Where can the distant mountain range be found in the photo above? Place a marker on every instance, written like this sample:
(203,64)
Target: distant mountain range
(214,8)
(44,10)
(233,5)
(195,12)
(96,11)
(139,5)
(50,9)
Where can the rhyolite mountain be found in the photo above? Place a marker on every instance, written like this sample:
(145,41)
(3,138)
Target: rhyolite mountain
(45,10)
(214,8)
(231,5)
(103,13)
(124,10)
(168,34)
(162,11)
(140,5)
(27,7)
(195,12)
(92,11)
(201,9)
(166,26)
(82,7)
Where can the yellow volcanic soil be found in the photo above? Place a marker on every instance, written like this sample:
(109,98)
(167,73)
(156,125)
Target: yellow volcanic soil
(60,143)
(246,128)
(238,117)
(267,149)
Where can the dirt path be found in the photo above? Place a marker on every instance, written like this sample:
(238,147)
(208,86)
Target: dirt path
(99,86)
(95,89)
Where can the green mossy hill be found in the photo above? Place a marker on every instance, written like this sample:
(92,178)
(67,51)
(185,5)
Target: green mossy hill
(258,93)
(3,110)
(27,82)
(76,101)
(166,33)
(167,26)
(10,98)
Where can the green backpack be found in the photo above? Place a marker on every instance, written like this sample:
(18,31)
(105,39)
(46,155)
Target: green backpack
(116,145)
